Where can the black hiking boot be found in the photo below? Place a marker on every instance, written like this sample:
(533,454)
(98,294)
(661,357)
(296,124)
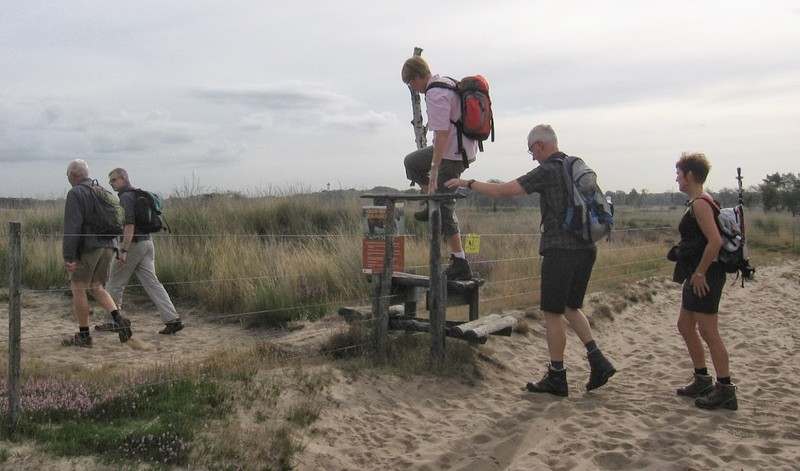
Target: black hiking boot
(78,340)
(723,396)
(458,269)
(601,370)
(422,214)
(122,326)
(699,387)
(172,327)
(553,382)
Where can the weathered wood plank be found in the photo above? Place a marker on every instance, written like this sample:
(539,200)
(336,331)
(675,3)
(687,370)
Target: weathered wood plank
(505,324)
(463,328)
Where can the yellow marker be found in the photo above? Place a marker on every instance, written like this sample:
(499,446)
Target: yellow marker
(473,244)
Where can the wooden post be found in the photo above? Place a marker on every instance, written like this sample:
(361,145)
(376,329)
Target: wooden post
(381,283)
(14,322)
(438,287)
(416,108)
(380,326)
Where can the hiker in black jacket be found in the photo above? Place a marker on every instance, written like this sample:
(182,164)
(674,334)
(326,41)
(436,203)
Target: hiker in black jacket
(87,257)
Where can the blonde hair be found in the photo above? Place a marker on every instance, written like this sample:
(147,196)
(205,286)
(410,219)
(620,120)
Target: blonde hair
(414,67)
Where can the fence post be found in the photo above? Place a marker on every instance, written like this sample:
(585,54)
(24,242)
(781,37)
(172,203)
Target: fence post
(438,289)
(380,328)
(14,281)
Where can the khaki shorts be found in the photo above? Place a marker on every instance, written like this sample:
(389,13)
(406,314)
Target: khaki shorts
(93,266)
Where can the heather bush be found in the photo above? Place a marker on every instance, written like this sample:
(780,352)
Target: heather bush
(131,421)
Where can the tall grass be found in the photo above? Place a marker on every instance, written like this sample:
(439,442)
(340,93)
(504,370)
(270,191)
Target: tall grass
(270,260)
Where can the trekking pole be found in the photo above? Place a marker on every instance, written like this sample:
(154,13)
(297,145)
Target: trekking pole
(747,269)
(741,203)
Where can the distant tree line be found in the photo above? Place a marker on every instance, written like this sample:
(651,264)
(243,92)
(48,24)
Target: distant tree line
(781,192)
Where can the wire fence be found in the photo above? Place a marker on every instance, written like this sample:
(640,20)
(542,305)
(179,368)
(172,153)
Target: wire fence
(525,288)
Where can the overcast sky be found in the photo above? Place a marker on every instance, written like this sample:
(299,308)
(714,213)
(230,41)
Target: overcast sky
(272,96)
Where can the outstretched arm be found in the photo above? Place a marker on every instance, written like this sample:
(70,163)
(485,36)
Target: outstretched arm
(495,190)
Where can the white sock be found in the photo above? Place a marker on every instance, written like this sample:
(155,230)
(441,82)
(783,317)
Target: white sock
(460,255)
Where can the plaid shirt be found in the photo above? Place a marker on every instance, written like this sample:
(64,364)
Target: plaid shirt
(548,180)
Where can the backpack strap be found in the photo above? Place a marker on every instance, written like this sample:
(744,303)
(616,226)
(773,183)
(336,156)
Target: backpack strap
(458,125)
(714,206)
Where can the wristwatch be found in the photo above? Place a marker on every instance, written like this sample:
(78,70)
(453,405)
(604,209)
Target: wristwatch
(469,184)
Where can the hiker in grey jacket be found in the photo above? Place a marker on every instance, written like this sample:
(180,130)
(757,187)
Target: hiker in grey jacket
(87,257)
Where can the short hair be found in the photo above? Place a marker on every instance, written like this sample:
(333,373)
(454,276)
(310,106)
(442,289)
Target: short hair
(120,173)
(414,67)
(542,132)
(78,168)
(695,162)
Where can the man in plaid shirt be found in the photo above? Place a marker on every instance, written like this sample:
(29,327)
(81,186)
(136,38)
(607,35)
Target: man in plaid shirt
(567,261)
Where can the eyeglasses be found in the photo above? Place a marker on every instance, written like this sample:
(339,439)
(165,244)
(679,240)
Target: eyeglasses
(530,147)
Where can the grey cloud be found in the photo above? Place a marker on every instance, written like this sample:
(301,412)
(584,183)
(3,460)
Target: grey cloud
(287,95)
(368,121)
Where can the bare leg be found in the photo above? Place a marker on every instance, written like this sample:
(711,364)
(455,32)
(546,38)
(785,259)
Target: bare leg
(556,336)
(80,303)
(454,242)
(687,326)
(709,330)
(102,297)
(577,320)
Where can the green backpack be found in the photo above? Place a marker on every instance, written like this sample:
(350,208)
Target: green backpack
(106,216)
(149,217)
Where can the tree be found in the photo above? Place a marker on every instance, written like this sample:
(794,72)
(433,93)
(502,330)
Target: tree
(770,191)
(790,196)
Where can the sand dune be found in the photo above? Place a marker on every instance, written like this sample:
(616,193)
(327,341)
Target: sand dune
(383,422)
(635,422)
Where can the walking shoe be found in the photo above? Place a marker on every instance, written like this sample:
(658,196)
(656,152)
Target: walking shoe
(553,382)
(723,396)
(699,387)
(601,370)
(458,269)
(422,214)
(122,326)
(78,340)
(172,327)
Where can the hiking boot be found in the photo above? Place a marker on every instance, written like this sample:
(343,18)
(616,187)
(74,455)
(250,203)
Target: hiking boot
(458,269)
(122,326)
(601,370)
(78,340)
(422,214)
(172,327)
(699,387)
(553,382)
(723,396)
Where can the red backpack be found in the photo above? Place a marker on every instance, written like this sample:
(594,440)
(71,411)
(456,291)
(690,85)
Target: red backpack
(476,121)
